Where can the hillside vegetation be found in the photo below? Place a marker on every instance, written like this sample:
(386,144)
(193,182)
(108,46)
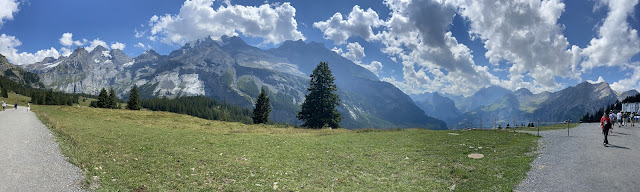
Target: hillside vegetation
(122,150)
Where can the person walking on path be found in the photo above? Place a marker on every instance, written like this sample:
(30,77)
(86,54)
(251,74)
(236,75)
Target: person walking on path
(612,119)
(605,124)
(619,119)
(3,105)
(16,106)
(28,107)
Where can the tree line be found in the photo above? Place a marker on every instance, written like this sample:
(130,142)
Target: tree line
(595,117)
(38,96)
(110,101)
(200,106)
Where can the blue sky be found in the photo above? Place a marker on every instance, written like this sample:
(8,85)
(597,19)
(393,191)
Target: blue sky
(445,46)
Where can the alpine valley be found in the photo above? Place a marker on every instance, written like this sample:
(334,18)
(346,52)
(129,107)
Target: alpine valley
(498,104)
(229,70)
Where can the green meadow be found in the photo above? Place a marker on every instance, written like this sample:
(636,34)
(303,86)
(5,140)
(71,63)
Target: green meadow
(123,150)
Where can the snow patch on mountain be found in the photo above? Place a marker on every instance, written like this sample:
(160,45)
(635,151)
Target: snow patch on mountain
(52,65)
(130,63)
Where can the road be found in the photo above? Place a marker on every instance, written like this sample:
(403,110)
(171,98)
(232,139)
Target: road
(580,162)
(30,159)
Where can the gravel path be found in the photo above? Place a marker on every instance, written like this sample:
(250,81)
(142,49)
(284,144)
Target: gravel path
(581,163)
(30,159)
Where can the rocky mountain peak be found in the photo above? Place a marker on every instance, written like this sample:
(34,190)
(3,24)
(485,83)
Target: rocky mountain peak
(99,49)
(79,51)
(3,59)
(523,92)
(149,53)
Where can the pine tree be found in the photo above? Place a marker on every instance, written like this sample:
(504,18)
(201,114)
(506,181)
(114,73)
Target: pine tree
(103,99)
(113,101)
(319,107)
(262,108)
(134,99)
(50,99)
(5,93)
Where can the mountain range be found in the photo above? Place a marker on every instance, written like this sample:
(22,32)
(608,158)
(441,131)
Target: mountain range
(229,70)
(503,106)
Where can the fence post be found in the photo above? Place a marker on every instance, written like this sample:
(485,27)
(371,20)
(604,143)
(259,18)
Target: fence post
(494,123)
(538,127)
(568,127)
(514,124)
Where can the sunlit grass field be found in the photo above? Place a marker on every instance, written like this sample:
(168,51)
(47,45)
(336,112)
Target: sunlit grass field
(123,150)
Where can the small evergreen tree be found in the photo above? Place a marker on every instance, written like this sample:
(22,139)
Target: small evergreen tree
(103,99)
(113,101)
(262,108)
(50,99)
(5,93)
(134,99)
(319,107)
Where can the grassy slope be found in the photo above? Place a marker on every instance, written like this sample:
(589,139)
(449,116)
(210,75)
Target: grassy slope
(160,151)
(13,98)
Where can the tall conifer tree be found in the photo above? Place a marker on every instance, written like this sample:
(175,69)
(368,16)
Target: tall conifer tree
(134,99)
(103,99)
(319,107)
(262,108)
(113,101)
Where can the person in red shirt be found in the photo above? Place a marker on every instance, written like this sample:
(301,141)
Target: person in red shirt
(605,124)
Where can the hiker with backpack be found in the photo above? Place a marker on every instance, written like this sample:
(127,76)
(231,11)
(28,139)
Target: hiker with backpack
(605,124)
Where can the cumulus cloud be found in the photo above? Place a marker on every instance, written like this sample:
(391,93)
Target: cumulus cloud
(273,23)
(375,67)
(8,48)
(139,34)
(67,40)
(432,59)
(143,46)
(95,43)
(7,9)
(600,80)
(617,42)
(358,23)
(118,45)
(525,34)
(355,53)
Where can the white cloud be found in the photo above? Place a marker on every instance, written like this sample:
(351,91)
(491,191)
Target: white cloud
(118,45)
(358,23)
(93,44)
(526,35)
(617,42)
(600,80)
(197,19)
(355,52)
(65,51)
(375,67)
(139,34)
(632,82)
(67,40)
(8,46)
(7,9)
(433,60)
(141,45)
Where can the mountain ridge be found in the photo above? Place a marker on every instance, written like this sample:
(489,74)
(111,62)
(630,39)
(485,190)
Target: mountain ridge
(229,70)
